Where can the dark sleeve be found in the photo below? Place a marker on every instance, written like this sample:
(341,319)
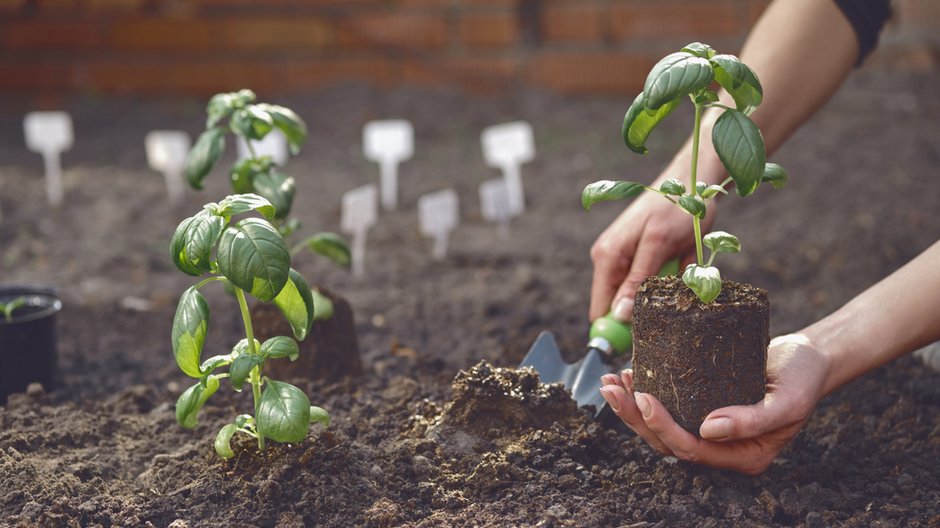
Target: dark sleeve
(867,18)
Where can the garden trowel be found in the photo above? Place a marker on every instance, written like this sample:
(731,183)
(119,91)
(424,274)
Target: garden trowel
(609,349)
(609,341)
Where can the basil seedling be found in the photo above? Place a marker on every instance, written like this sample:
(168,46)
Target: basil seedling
(7,308)
(259,174)
(691,73)
(250,257)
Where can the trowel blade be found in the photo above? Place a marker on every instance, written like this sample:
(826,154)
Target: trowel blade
(582,378)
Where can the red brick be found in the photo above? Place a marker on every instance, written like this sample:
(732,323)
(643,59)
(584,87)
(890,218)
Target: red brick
(677,20)
(177,77)
(44,34)
(396,29)
(251,33)
(314,74)
(113,5)
(57,6)
(160,34)
(597,73)
(755,8)
(583,22)
(488,30)
(11,5)
(476,74)
(41,76)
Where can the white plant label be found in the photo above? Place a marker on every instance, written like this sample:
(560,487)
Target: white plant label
(166,153)
(388,143)
(438,215)
(494,204)
(507,147)
(50,134)
(359,213)
(274,144)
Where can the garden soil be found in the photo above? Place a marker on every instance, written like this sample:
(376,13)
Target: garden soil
(437,429)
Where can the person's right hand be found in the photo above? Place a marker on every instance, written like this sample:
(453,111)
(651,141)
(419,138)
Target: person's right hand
(650,232)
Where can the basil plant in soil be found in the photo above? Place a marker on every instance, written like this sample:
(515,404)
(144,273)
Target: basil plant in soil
(701,343)
(249,255)
(238,113)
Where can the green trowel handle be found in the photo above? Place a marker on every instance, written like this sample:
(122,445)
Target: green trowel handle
(620,335)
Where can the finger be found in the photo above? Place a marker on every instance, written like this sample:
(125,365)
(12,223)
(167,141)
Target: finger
(622,403)
(651,254)
(739,422)
(660,423)
(626,376)
(610,267)
(610,379)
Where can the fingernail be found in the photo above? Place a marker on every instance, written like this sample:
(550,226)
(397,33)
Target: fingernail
(716,428)
(643,402)
(626,376)
(609,379)
(623,310)
(610,398)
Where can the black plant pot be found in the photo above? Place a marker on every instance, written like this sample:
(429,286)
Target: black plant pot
(28,339)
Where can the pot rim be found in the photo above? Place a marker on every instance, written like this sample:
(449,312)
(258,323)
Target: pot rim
(44,297)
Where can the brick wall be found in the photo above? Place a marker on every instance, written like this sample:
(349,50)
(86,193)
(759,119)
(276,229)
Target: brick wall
(198,47)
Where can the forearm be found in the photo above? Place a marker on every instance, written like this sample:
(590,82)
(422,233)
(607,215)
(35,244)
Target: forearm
(802,51)
(895,316)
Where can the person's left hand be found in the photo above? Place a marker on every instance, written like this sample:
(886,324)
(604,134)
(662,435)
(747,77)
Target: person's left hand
(744,438)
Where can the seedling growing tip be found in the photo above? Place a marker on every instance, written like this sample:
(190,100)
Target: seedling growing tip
(7,308)
(691,73)
(250,256)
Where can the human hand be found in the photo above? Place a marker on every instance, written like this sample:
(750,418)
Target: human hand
(744,438)
(635,246)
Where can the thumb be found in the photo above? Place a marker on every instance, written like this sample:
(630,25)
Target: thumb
(649,258)
(740,422)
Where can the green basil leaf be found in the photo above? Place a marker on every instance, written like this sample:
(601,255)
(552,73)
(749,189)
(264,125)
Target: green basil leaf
(241,369)
(278,188)
(189,403)
(252,122)
(722,242)
(712,190)
(322,306)
(203,156)
(673,187)
(283,412)
(243,173)
(223,441)
(704,281)
(189,331)
(740,148)
(705,97)
(192,243)
(236,204)
(215,362)
(242,348)
(675,75)
(296,303)
(639,121)
(288,122)
(253,256)
(219,107)
(245,421)
(319,415)
(243,97)
(739,81)
(280,346)
(775,175)
(331,246)
(694,205)
(700,50)
(604,190)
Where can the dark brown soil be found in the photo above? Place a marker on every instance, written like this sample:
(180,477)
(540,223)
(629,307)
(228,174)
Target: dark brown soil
(696,357)
(409,445)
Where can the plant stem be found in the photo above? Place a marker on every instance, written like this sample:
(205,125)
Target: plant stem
(696,223)
(255,377)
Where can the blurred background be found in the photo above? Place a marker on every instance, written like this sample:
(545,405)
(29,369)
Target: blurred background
(56,48)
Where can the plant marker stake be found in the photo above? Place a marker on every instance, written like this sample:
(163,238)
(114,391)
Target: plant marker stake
(388,143)
(50,134)
(166,153)
(359,213)
(494,204)
(438,215)
(507,147)
(274,145)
